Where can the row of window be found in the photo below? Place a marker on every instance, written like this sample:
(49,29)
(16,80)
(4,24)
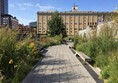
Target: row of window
(84,17)
(89,23)
(66,31)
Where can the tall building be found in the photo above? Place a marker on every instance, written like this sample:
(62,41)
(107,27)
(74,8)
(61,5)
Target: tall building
(5,18)
(74,20)
(8,20)
(3,6)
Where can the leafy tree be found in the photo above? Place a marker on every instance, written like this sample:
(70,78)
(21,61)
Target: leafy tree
(56,25)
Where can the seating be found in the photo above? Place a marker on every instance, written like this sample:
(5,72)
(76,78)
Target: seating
(83,56)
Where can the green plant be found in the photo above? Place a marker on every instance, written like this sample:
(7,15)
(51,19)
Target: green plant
(103,49)
(113,67)
(105,72)
(16,56)
(56,25)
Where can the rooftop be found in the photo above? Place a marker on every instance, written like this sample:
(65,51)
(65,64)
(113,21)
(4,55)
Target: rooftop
(73,12)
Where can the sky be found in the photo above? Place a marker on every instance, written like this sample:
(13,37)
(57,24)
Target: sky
(26,10)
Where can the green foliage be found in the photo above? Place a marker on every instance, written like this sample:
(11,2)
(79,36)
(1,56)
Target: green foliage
(16,57)
(105,72)
(113,67)
(88,48)
(75,41)
(102,61)
(49,41)
(56,25)
(103,49)
(7,49)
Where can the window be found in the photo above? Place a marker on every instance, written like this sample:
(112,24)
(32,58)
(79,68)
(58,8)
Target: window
(80,23)
(75,23)
(75,28)
(95,23)
(88,23)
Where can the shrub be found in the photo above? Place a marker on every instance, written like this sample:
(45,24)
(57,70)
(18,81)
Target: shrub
(7,50)
(105,72)
(113,67)
(48,41)
(16,56)
(75,41)
(103,49)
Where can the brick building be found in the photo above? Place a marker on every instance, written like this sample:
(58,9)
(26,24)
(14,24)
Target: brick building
(74,20)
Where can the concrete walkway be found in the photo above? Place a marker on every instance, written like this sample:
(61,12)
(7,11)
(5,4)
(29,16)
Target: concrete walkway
(59,65)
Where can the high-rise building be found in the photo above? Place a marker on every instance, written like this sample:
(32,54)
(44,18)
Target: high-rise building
(5,18)
(3,6)
(74,20)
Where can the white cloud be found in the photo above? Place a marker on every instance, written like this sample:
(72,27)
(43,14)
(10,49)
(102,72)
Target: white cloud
(46,7)
(28,4)
(25,6)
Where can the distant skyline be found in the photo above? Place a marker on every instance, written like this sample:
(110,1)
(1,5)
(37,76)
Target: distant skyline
(25,10)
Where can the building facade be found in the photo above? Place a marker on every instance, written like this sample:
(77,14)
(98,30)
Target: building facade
(25,29)
(3,7)
(5,20)
(33,24)
(14,22)
(8,20)
(74,20)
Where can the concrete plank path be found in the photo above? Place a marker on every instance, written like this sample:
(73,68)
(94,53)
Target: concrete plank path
(59,66)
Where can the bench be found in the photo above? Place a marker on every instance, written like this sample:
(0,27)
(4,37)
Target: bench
(71,48)
(83,56)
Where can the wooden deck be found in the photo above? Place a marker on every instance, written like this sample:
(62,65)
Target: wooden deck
(59,66)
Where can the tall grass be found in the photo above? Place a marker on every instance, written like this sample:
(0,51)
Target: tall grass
(46,41)
(16,57)
(103,49)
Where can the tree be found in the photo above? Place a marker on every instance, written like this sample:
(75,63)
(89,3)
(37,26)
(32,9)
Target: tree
(56,25)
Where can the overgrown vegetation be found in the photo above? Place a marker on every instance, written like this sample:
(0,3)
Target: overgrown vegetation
(46,41)
(17,57)
(103,49)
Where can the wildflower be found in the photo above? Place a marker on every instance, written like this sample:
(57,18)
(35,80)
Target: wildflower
(33,50)
(31,45)
(10,61)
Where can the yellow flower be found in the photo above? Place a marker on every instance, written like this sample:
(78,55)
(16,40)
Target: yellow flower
(10,61)
(31,45)
(33,50)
